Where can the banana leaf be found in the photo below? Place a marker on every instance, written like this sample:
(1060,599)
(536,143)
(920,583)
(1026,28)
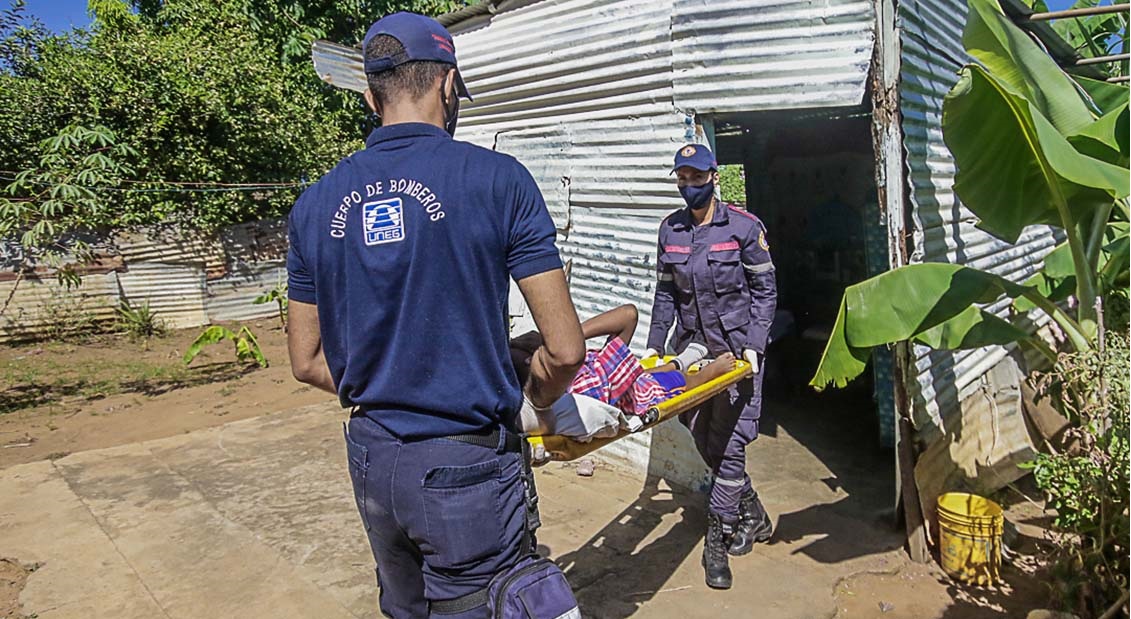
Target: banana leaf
(935,304)
(1013,165)
(1024,67)
(1106,96)
(1057,278)
(1105,139)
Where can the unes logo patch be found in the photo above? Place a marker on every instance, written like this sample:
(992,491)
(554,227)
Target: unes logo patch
(384,221)
(687,151)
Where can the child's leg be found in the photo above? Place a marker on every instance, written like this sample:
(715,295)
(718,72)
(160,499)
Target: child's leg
(723,364)
(620,322)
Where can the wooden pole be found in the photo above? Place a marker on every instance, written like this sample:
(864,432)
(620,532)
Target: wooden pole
(912,512)
(912,509)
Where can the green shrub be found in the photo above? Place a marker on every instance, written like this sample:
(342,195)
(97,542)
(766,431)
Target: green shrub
(277,295)
(140,323)
(247,347)
(1088,482)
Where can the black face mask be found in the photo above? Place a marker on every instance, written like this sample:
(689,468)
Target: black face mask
(451,112)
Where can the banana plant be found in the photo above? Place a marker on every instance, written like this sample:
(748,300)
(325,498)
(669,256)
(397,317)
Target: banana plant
(1033,146)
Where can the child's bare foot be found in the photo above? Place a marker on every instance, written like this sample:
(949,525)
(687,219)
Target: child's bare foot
(721,365)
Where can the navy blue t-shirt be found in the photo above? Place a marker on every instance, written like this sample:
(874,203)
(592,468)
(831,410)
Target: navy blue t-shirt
(407,248)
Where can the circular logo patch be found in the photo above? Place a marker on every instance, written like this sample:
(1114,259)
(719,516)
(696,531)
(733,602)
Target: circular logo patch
(687,151)
(762,241)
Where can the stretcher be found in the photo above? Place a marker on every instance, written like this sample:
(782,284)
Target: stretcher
(562,449)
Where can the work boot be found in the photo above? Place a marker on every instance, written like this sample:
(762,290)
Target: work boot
(753,525)
(715,561)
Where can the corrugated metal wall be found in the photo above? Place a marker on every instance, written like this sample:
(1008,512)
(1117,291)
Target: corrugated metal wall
(188,280)
(944,231)
(743,55)
(580,92)
(599,75)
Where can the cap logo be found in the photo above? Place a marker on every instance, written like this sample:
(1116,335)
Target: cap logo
(687,151)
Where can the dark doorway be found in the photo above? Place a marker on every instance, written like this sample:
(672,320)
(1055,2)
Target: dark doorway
(810,177)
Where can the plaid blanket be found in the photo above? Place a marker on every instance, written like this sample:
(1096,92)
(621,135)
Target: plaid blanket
(614,376)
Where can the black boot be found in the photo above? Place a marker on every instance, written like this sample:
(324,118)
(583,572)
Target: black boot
(753,525)
(715,561)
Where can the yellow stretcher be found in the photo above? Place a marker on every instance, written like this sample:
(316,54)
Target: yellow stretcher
(561,448)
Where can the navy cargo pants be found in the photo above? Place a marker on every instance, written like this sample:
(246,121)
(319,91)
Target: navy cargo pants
(442,516)
(722,428)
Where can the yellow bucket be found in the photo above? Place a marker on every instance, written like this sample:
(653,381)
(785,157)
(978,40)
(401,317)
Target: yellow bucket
(970,529)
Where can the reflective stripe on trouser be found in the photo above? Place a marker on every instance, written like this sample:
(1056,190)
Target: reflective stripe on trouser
(443,517)
(722,428)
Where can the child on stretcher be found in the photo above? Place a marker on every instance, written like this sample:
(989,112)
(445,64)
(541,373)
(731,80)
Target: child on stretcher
(613,375)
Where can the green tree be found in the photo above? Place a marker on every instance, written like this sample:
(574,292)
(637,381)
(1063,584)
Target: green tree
(197,95)
(293,25)
(47,206)
(732,183)
(209,93)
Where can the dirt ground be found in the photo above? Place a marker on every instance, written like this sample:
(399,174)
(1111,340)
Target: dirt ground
(13,577)
(62,398)
(65,398)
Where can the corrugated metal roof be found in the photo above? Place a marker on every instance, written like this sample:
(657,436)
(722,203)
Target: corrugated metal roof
(552,62)
(749,55)
(170,245)
(945,231)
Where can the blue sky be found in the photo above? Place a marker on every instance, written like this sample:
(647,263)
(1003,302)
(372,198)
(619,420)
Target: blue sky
(60,15)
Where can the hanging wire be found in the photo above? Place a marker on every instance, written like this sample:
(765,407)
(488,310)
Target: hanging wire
(176,186)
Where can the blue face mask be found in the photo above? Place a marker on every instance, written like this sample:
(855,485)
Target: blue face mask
(698,197)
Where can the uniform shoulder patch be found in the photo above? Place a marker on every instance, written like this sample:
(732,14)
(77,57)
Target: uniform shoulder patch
(762,241)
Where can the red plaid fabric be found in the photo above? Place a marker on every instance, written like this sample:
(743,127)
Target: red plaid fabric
(614,376)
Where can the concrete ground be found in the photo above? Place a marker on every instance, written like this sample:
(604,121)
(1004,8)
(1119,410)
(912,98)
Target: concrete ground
(255,519)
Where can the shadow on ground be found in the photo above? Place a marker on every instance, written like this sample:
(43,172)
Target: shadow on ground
(826,481)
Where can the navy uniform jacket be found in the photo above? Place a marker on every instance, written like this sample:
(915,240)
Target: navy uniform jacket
(717,280)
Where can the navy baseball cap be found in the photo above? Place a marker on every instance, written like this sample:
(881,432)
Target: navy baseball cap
(695,156)
(423,38)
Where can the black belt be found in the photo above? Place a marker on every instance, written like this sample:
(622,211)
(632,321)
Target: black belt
(512,443)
